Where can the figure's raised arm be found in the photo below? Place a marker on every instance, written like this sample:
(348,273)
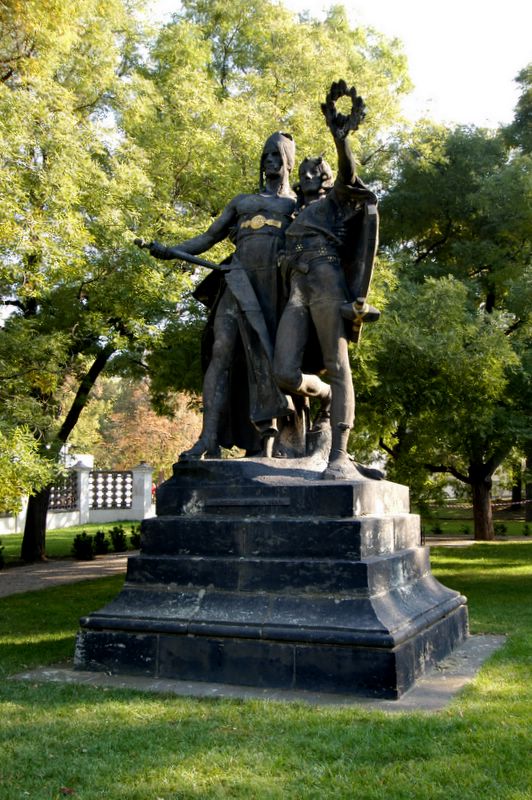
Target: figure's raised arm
(341,125)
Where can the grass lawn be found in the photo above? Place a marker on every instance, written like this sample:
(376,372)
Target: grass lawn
(58,541)
(459,522)
(121,745)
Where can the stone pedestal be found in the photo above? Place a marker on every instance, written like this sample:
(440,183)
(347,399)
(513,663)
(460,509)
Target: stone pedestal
(257,573)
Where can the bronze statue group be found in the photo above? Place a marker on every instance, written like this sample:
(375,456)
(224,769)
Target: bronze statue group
(287,303)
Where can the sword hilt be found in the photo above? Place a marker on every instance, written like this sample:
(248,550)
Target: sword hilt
(357,313)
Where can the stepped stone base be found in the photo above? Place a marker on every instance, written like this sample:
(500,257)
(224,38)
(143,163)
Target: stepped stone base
(256,572)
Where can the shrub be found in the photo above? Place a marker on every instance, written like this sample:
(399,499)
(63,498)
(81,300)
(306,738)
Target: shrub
(135,537)
(101,543)
(465,529)
(500,528)
(2,562)
(118,538)
(436,529)
(526,529)
(83,547)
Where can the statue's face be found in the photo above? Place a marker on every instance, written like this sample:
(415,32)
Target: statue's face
(310,176)
(272,162)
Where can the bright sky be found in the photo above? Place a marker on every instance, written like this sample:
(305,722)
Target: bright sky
(463,54)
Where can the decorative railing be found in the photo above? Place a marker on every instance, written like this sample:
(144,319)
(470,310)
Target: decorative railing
(84,495)
(106,490)
(64,494)
(110,489)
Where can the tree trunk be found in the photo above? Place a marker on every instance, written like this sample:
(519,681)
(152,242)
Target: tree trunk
(528,504)
(528,489)
(517,496)
(34,539)
(482,514)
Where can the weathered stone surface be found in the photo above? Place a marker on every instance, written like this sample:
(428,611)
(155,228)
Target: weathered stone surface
(267,577)
(280,536)
(261,487)
(288,575)
(113,650)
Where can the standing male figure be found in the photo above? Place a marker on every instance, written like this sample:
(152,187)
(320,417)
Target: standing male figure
(326,277)
(248,303)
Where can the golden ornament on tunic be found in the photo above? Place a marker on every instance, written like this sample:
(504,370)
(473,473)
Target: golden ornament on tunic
(259,221)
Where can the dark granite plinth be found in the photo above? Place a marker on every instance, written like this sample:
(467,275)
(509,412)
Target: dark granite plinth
(257,573)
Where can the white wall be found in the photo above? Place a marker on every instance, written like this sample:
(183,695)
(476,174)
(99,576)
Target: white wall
(142,506)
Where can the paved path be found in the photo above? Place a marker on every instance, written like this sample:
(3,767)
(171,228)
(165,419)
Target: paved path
(33,577)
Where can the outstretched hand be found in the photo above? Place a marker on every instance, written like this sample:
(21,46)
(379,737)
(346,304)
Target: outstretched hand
(156,250)
(341,124)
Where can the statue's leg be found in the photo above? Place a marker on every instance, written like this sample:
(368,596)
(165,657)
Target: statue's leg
(216,381)
(331,334)
(292,335)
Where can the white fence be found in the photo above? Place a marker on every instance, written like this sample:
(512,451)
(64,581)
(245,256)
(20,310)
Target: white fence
(87,495)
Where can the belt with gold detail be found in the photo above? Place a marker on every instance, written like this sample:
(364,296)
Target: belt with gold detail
(259,221)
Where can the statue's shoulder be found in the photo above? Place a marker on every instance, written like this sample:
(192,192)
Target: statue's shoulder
(259,202)
(244,203)
(319,210)
(238,202)
(286,203)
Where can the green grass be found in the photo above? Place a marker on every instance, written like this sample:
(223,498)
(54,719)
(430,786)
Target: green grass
(58,540)
(453,523)
(122,745)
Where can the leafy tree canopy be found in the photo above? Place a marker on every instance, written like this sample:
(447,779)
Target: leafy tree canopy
(132,431)
(222,78)
(519,133)
(107,134)
(21,467)
(452,387)
(71,186)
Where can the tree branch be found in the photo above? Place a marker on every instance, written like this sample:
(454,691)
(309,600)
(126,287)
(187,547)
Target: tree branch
(364,161)
(16,375)
(513,327)
(384,446)
(12,302)
(435,245)
(496,459)
(82,394)
(448,470)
